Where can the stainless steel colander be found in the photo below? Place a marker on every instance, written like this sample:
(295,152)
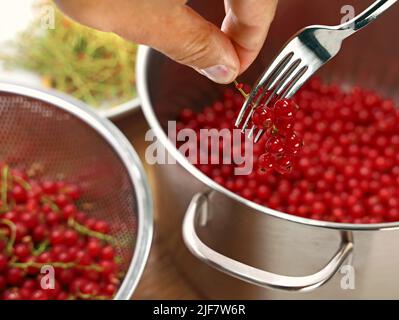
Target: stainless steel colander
(68,140)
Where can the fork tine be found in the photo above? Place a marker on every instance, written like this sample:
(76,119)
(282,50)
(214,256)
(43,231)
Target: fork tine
(259,135)
(303,76)
(289,83)
(247,119)
(285,74)
(287,77)
(285,71)
(243,110)
(268,79)
(275,68)
(284,87)
(273,71)
(251,132)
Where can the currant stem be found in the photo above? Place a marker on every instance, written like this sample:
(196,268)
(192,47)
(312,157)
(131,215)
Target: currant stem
(88,232)
(56,264)
(118,260)
(24,184)
(51,203)
(4,189)
(3,236)
(13,234)
(88,296)
(237,85)
(41,248)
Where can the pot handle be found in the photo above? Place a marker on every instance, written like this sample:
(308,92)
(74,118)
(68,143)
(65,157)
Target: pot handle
(249,273)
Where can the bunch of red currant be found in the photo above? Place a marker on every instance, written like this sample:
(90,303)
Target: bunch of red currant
(41,225)
(277,119)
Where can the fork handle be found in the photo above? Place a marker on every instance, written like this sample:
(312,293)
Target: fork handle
(366,17)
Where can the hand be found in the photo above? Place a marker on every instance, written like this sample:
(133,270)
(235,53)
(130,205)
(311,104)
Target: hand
(176,30)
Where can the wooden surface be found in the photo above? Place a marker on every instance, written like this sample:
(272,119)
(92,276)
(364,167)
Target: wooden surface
(161,279)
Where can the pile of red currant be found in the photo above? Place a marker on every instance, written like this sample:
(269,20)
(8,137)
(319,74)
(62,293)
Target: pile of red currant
(41,225)
(347,170)
(277,118)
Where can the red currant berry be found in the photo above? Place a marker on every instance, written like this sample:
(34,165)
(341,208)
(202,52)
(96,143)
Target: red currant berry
(294,143)
(263,117)
(3,262)
(21,250)
(275,144)
(284,165)
(19,194)
(266,161)
(285,109)
(15,276)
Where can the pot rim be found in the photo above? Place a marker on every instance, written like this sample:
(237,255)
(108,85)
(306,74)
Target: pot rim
(143,92)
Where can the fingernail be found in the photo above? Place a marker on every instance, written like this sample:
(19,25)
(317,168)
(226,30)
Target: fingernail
(219,73)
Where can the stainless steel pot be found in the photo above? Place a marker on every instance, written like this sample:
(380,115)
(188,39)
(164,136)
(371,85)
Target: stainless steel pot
(268,249)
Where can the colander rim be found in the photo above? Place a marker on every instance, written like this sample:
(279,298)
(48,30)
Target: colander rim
(143,60)
(131,161)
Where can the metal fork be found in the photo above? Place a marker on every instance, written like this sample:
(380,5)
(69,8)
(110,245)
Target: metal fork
(301,57)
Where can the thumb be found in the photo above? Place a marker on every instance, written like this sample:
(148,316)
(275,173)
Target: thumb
(188,38)
(168,26)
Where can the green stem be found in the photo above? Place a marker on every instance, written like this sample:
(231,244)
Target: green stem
(4,189)
(88,296)
(244,94)
(118,260)
(41,248)
(24,184)
(88,232)
(51,203)
(62,265)
(13,234)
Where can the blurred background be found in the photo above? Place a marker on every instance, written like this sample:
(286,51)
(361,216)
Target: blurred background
(42,48)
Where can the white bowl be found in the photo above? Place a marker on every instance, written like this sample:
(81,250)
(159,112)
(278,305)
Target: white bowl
(15,16)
